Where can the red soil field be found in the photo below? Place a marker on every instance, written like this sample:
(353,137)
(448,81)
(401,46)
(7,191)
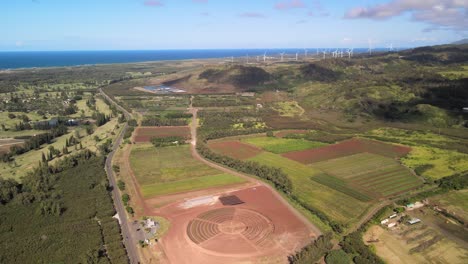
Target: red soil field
(348,147)
(235,149)
(261,229)
(144,134)
(288,132)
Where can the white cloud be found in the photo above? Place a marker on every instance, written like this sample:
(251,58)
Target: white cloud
(439,14)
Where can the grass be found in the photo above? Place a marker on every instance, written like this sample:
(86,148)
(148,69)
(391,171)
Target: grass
(288,109)
(435,163)
(338,206)
(456,74)
(10,123)
(172,169)
(370,174)
(282,145)
(191,184)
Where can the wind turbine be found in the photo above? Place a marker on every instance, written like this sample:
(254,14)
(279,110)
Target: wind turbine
(390,47)
(232,59)
(324,54)
(370,46)
(247,58)
(350,52)
(305,53)
(297,55)
(318,53)
(264,57)
(282,56)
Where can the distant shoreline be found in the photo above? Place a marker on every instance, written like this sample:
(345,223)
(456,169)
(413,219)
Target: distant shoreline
(26,60)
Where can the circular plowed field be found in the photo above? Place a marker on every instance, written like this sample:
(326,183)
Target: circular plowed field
(231,231)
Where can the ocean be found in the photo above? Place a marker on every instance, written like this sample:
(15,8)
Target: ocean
(31,59)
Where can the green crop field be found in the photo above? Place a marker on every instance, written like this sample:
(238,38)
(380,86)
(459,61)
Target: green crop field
(172,169)
(370,173)
(455,202)
(282,145)
(190,184)
(335,204)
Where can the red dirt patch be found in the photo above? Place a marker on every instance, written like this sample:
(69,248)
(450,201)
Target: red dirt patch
(348,147)
(284,133)
(262,228)
(235,149)
(144,134)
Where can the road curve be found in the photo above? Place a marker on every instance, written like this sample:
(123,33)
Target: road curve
(128,240)
(196,155)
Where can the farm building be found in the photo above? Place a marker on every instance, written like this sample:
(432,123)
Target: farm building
(413,221)
(392,216)
(392,225)
(383,222)
(413,206)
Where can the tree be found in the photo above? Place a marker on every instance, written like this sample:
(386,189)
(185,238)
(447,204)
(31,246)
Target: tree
(270,134)
(121,185)
(11,115)
(44,160)
(125,199)
(337,257)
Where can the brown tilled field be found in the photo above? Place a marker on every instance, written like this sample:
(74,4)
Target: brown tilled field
(346,148)
(144,134)
(6,144)
(260,229)
(235,149)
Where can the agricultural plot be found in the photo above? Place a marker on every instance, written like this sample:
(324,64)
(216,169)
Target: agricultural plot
(371,174)
(234,149)
(346,148)
(169,170)
(144,134)
(335,204)
(282,145)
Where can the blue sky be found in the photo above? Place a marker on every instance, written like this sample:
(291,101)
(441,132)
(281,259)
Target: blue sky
(207,24)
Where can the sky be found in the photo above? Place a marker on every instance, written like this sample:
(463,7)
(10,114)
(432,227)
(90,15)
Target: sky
(27,25)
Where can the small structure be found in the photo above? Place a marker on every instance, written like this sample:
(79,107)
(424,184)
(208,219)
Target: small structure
(412,206)
(383,222)
(465,109)
(392,216)
(413,221)
(246,94)
(259,106)
(392,225)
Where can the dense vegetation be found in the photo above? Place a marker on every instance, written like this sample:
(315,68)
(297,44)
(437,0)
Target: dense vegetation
(60,214)
(312,252)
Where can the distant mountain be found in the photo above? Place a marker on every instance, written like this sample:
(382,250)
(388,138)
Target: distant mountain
(460,42)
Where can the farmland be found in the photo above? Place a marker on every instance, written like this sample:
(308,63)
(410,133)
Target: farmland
(348,147)
(435,240)
(172,169)
(144,134)
(282,145)
(335,204)
(370,173)
(234,149)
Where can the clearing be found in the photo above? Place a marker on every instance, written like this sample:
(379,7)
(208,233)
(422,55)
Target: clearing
(282,145)
(144,134)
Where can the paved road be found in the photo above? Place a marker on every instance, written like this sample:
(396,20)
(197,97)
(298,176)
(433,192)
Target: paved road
(196,155)
(128,240)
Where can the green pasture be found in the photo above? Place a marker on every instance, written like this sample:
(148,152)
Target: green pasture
(282,145)
(435,163)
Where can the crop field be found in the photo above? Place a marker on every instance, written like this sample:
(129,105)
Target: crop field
(337,205)
(288,109)
(144,134)
(6,144)
(172,169)
(346,148)
(156,103)
(436,163)
(222,101)
(282,145)
(371,174)
(234,149)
